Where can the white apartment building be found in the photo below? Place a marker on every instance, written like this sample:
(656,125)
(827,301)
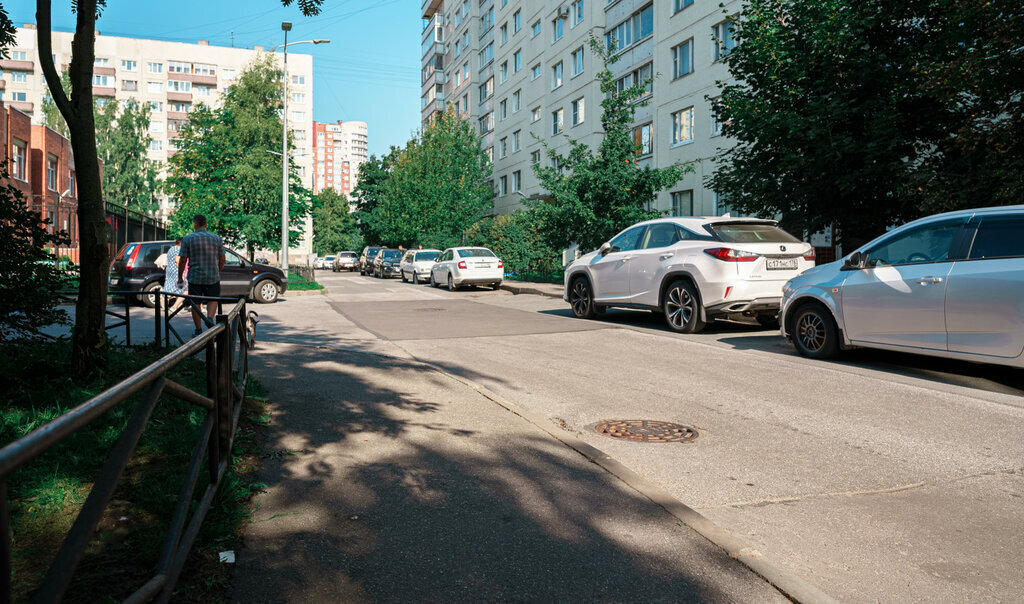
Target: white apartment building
(523,70)
(170,77)
(338,151)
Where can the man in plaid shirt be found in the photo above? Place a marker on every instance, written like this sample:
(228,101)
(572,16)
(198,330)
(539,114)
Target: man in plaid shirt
(204,253)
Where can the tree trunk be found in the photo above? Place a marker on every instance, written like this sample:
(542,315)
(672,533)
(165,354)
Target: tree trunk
(89,335)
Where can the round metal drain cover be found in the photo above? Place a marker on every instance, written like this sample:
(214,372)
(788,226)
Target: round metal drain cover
(428,310)
(647,431)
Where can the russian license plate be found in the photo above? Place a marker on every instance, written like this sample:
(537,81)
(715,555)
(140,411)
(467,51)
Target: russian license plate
(483,266)
(115,281)
(781,264)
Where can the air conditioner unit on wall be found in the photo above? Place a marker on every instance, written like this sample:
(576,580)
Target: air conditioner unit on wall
(563,11)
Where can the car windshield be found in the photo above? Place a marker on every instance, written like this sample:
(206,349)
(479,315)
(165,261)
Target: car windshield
(427,256)
(371,252)
(476,252)
(751,232)
(348,255)
(329,258)
(391,254)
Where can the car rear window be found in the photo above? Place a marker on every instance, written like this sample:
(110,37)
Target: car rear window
(751,232)
(126,251)
(476,252)
(348,255)
(150,253)
(427,256)
(391,254)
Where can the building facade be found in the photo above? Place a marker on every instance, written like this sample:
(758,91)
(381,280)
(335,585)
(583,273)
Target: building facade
(170,77)
(523,72)
(338,151)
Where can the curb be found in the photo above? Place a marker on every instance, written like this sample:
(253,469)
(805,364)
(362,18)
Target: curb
(305,292)
(527,289)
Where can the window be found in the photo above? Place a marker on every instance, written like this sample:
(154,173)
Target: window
(659,235)
(19,55)
(632,30)
(682,126)
(101,80)
(535,114)
(503,109)
(154,67)
(179,86)
(716,126)
(535,157)
(628,241)
(557,29)
(129,85)
(458,48)
(156,145)
(643,137)
(577,61)
(129,103)
(556,121)
(517,21)
(487,89)
(682,59)
(299,80)
(22,97)
(487,55)
(577,12)
(181,107)
(724,38)
(227,74)
(999,237)
(503,185)
(487,21)
(556,75)
(489,152)
(156,106)
(300,135)
(19,76)
(536,29)
(129,65)
(503,72)
(641,75)
(156,126)
(154,86)
(487,123)
(465,71)
(517,180)
(515,101)
(504,33)
(535,72)
(577,111)
(101,62)
(51,172)
(72,183)
(679,5)
(19,159)
(515,141)
(682,203)
(298,97)
(176,125)
(503,147)
(928,243)
(517,61)
(456,106)
(298,116)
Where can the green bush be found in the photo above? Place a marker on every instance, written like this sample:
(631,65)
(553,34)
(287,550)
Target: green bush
(516,239)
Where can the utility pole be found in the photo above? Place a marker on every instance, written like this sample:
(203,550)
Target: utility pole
(286,26)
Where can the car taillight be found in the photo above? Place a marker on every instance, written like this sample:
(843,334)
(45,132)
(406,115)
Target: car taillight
(730,255)
(462,264)
(131,259)
(811,255)
(501,264)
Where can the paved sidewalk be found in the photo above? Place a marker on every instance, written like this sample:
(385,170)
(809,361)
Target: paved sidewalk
(390,481)
(551,290)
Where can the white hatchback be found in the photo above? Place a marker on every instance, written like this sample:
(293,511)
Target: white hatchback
(694,270)
(416,265)
(458,266)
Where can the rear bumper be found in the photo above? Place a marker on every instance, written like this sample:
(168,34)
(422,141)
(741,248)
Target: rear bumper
(738,306)
(475,280)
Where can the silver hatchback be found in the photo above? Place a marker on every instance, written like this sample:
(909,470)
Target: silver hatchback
(950,285)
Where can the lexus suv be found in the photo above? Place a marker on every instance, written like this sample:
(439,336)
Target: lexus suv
(693,270)
(950,285)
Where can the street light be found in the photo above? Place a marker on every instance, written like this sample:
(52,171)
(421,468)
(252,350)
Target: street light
(286,26)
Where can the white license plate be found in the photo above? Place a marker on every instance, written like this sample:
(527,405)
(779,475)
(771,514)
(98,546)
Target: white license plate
(781,264)
(115,281)
(483,266)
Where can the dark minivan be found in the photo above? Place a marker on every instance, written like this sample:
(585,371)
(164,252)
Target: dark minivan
(134,269)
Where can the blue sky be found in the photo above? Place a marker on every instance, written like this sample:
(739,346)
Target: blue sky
(369,72)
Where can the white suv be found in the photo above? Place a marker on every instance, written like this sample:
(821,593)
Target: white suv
(694,270)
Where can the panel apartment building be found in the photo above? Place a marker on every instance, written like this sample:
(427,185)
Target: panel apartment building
(523,70)
(338,151)
(170,77)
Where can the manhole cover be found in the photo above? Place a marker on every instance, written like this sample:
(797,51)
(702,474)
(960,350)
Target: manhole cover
(428,310)
(646,431)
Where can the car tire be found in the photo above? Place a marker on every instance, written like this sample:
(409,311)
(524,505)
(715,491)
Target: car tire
(266,291)
(148,299)
(404,279)
(433,282)
(814,332)
(681,306)
(451,283)
(415,278)
(581,299)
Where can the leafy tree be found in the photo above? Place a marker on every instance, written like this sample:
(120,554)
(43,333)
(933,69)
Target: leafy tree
(52,117)
(593,195)
(518,240)
(334,225)
(30,277)
(373,176)
(88,335)
(866,114)
(224,168)
(129,177)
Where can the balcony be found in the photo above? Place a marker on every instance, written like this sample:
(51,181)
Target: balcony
(209,80)
(12,65)
(22,106)
(177,115)
(103,91)
(182,97)
(107,71)
(430,7)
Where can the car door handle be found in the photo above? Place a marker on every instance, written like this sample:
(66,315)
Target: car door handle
(625,259)
(929,280)
(666,256)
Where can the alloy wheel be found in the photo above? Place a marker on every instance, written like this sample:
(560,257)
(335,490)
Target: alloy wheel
(580,299)
(680,307)
(810,330)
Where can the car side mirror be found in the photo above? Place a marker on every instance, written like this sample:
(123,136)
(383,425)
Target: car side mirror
(854,262)
(605,248)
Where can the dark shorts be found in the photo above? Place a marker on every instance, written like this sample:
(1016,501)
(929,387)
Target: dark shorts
(210,290)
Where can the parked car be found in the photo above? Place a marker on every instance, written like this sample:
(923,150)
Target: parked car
(692,270)
(262,261)
(134,269)
(366,259)
(318,262)
(386,263)
(950,285)
(345,261)
(458,266)
(326,262)
(416,265)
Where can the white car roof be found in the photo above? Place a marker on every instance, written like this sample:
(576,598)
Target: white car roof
(695,222)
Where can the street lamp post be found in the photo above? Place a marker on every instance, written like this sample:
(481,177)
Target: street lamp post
(286,26)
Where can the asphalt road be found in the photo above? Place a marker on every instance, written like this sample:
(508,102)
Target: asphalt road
(881,477)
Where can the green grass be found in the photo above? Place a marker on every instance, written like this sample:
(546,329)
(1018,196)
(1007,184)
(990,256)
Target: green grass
(297,282)
(534,277)
(47,493)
